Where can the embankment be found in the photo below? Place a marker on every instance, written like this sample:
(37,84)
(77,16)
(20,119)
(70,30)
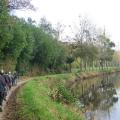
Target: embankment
(49,98)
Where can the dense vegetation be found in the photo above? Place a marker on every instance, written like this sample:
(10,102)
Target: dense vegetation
(34,48)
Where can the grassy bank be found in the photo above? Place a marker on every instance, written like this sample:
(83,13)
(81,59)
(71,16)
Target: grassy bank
(36,103)
(48,98)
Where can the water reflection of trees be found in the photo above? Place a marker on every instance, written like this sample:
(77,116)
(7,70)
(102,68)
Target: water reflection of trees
(101,96)
(100,92)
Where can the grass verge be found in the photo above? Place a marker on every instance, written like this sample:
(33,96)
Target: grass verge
(36,103)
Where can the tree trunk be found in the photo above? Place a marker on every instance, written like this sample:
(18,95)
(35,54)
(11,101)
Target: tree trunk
(70,66)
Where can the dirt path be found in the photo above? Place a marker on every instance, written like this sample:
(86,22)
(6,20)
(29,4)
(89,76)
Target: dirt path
(9,107)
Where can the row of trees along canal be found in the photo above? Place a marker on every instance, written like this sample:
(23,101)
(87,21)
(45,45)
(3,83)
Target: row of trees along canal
(32,48)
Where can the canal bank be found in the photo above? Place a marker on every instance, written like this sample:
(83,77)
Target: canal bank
(92,74)
(78,76)
(51,97)
(101,94)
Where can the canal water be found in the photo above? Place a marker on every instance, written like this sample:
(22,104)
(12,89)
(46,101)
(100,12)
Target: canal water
(101,95)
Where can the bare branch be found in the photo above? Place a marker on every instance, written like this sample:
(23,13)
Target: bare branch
(20,4)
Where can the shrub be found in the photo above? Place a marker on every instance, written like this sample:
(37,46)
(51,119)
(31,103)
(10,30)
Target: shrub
(62,94)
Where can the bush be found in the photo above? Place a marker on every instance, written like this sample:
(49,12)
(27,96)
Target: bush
(62,94)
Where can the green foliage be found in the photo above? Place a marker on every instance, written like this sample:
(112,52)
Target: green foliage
(105,50)
(23,45)
(5,25)
(23,61)
(66,95)
(70,59)
(48,52)
(36,103)
(18,42)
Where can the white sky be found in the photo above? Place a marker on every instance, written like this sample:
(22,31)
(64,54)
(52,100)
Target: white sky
(100,12)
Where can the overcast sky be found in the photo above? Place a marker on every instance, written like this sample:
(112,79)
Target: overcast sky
(100,12)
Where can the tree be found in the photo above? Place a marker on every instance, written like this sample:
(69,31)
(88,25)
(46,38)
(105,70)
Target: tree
(13,49)
(86,31)
(19,4)
(58,30)
(4,20)
(105,50)
(116,58)
(85,39)
(70,60)
(24,60)
(46,26)
(5,27)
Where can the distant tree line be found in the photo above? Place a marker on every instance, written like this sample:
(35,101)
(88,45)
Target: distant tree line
(26,47)
(93,47)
